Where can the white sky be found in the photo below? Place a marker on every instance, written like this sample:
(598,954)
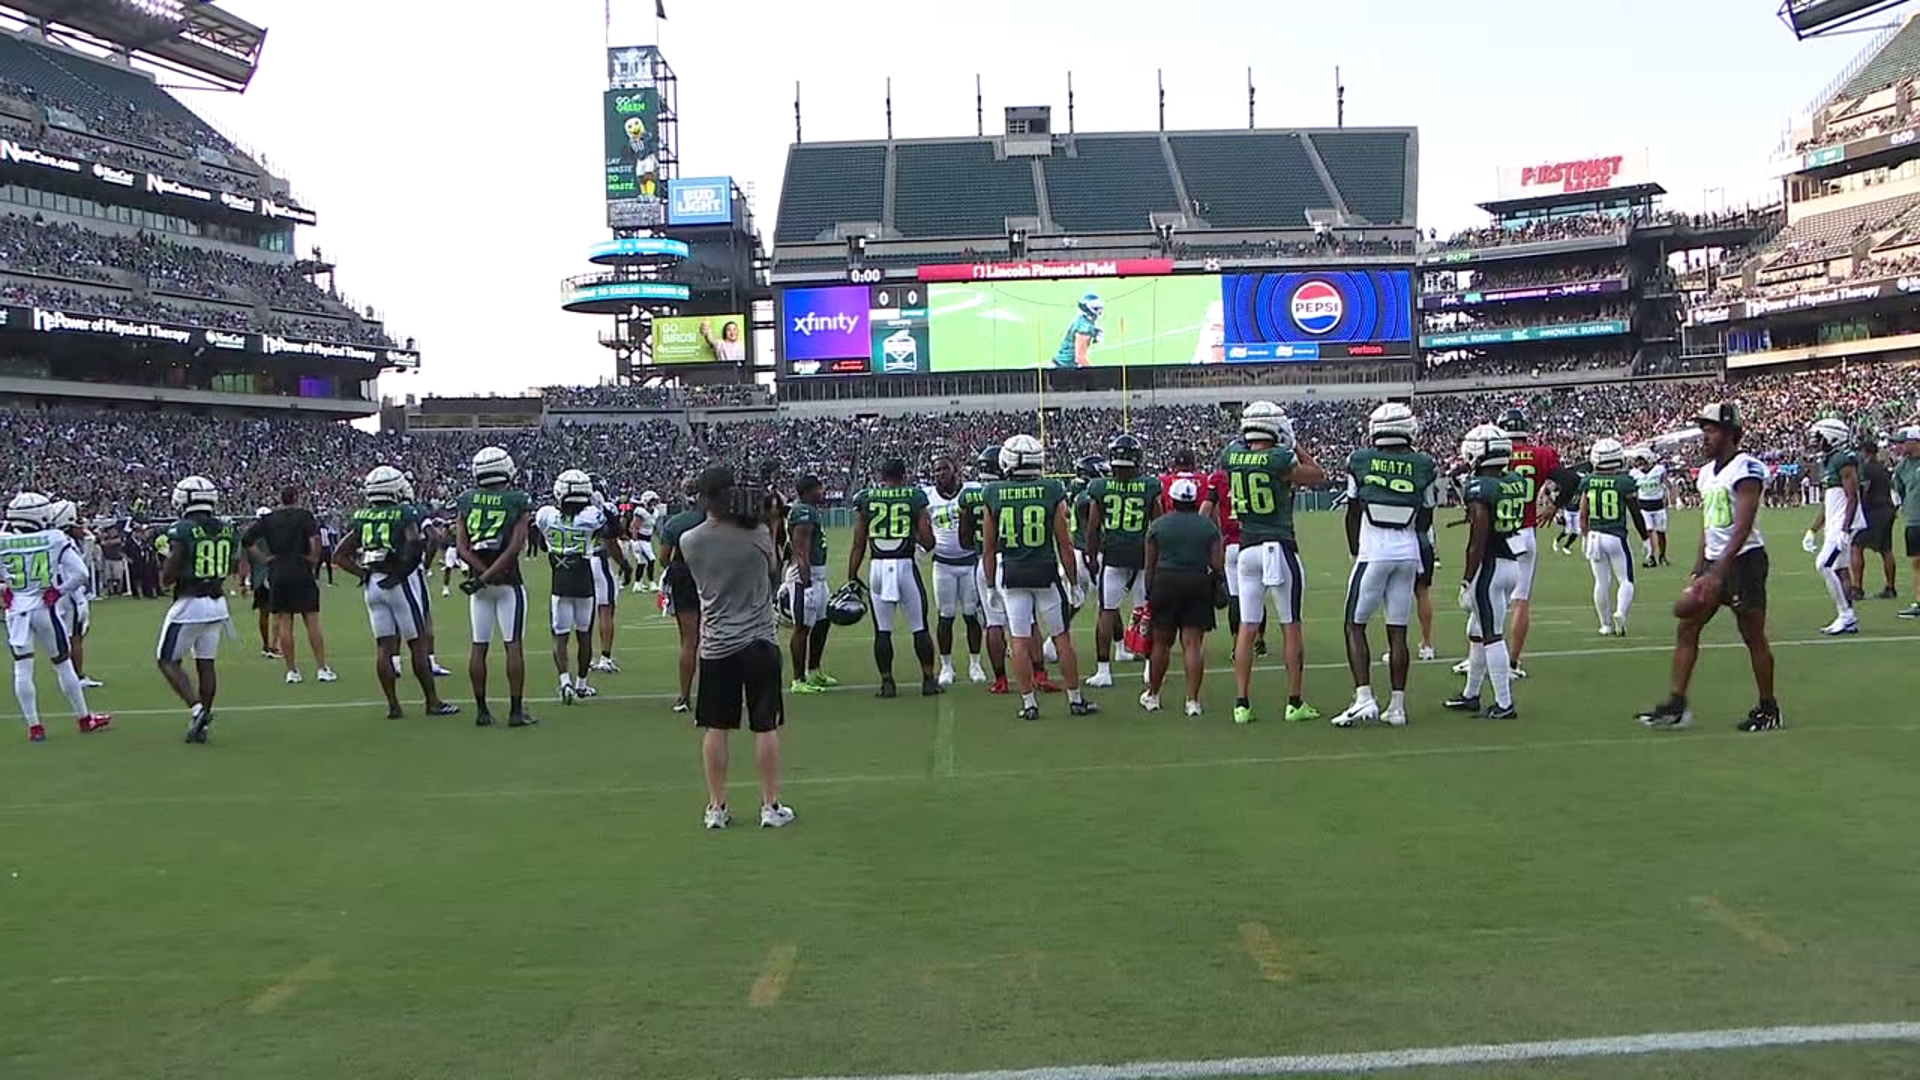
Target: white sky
(454,159)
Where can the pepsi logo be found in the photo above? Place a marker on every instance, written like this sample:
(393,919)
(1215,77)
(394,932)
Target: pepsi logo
(1317,307)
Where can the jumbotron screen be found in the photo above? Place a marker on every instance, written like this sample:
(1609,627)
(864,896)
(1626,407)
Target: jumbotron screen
(939,327)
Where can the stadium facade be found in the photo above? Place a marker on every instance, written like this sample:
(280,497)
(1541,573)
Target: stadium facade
(145,257)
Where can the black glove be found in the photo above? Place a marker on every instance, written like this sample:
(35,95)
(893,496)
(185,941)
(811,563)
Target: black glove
(1221,598)
(471,585)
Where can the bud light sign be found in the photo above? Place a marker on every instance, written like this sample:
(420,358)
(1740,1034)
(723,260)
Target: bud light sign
(703,201)
(1318,315)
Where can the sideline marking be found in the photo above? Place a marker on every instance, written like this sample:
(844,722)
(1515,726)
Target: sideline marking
(1264,949)
(773,977)
(1665,1042)
(1748,928)
(318,969)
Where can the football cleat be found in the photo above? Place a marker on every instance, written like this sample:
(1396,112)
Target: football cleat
(682,704)
(1243,714)
(1669,715)
(1910,612)
(522,718)
(1302,712)
(1762,718)
(999,686)
(202,719)
(946,676)
(1394,716)
(1044,684)
(37,733)
(1518,671)
(445,708)
(822,680)
(932,688)
(1500,712)
(1426,652)
(1100,680)
(1841,626)
(1359,712)
(566,693)
(802,686)
(93,722)
(582,690)
(888,688)
(1029,712)
(1462,703)
(483,718)
(87,683)
(1083,707)
(976,673)
(1462,667)
(606,666)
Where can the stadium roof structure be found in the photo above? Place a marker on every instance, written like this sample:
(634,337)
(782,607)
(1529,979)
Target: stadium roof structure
(1813,18)
(1623,193)
(193,37)
(1080,184)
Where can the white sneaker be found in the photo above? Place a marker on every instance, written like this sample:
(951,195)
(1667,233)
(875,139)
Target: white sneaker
(638,588)
(717,817)
(566,693)
(1606,629)
(292,677)
(1393,717)
(1461,667)
(1619,626)
(1426,652)
(1194,709)
(606,665)
(441,672)
(1841,626)
(976,673)
(91,684)
(1100,680)
(946,677)
(1518,671)
(326,674)
(1357,713)
(581,689)
(777,816)
(1150,701)
(444,591)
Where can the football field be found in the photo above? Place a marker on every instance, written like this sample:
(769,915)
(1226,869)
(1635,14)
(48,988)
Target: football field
(326,893)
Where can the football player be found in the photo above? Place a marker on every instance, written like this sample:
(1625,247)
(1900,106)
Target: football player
(682,600)
(1841,514)
(602,558)
(39,563)
(1027,549)
(890,518)
(203,551)
(1119,509)
(1537,464)
(1082,334)
(1262,471)
(385,546)
(1730,572)
(973,522)
(641,520)
(1391,490)
(576,531)
(1217,503)
(805,588)
(1650,487)
(1906,488)
(1497,499)
(956,557)
(75,606)
(1608,502)
(490,528)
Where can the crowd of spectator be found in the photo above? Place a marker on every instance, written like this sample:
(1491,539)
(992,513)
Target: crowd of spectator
(123,463)
(127,306)
(169,131)
(1578,225)
(1834,134)
(646,398)
(1527,275)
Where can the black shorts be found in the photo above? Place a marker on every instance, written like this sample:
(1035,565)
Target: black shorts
(1425,580)
(261,600)
(292,590)
(1181,600)
(1878,535)
(1745,586)
(749,676)
(1913,541)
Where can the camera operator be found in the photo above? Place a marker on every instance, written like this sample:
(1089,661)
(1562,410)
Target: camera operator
(731,557)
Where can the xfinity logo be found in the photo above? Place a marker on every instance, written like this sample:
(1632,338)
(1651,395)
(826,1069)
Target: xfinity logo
(160,185)
(237,202)
(27,155)
(810,323)
(111,175)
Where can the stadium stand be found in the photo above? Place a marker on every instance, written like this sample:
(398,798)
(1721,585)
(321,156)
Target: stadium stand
(1250,180)
(830,183)
(1897,59)
(959,189)
(1109,183)
(1370,170)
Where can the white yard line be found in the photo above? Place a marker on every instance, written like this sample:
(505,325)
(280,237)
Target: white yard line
(1665,1042)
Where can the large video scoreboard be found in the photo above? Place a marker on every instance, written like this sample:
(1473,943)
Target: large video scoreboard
(1012,316)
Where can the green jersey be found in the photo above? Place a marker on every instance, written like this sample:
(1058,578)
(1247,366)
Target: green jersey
(491,514)
(1262,494)
(1394,487)
(973,504)
(676,526)
(572,539)
(803,513)
(1081,325)
(210,545)
(1906,485)
(1610,497)
(391,540)
(893,515)
(1183,539)
(1125,508)
(1506,498)
(1831,465)
(1023,515)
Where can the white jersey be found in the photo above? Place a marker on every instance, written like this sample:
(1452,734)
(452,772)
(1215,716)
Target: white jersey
(578,535)
(643,521)
(944,513)
(1651,486)
(1379,543)
(1835,501)
(1716,485)
(33,562)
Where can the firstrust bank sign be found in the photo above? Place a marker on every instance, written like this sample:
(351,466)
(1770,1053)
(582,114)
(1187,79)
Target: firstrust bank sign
(1572,176)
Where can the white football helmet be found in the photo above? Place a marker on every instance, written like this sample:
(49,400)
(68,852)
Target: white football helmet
(384,485)
(1830,434)
(649,498)
(29,511)
(493,465)
(65,515)
(1393,424)
(1487,447)
(406,491)
(1265,420)
(1022,458)
(572,486)
(196,494)
(1607,454)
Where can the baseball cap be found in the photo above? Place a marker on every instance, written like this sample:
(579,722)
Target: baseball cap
(1184,490)
(1910,433)
(1719,413)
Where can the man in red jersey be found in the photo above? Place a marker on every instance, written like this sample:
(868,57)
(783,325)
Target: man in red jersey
(1537,463)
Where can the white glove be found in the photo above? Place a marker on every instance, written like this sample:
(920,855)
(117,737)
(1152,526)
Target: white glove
(1077,594)
(1810,543)
(1466,596)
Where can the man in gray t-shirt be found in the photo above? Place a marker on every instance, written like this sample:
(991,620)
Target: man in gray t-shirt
(732,560)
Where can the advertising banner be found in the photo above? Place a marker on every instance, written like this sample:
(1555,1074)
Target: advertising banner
(700,339)
(1834,296)
(1310,315)
(1017,271)
(1445,301)
(631,119)
(86,324)
(163,188)
(702,201)
(1572,176)
(1597,328)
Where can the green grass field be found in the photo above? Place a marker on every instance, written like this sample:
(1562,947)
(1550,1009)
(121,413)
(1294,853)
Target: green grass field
(326,893)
